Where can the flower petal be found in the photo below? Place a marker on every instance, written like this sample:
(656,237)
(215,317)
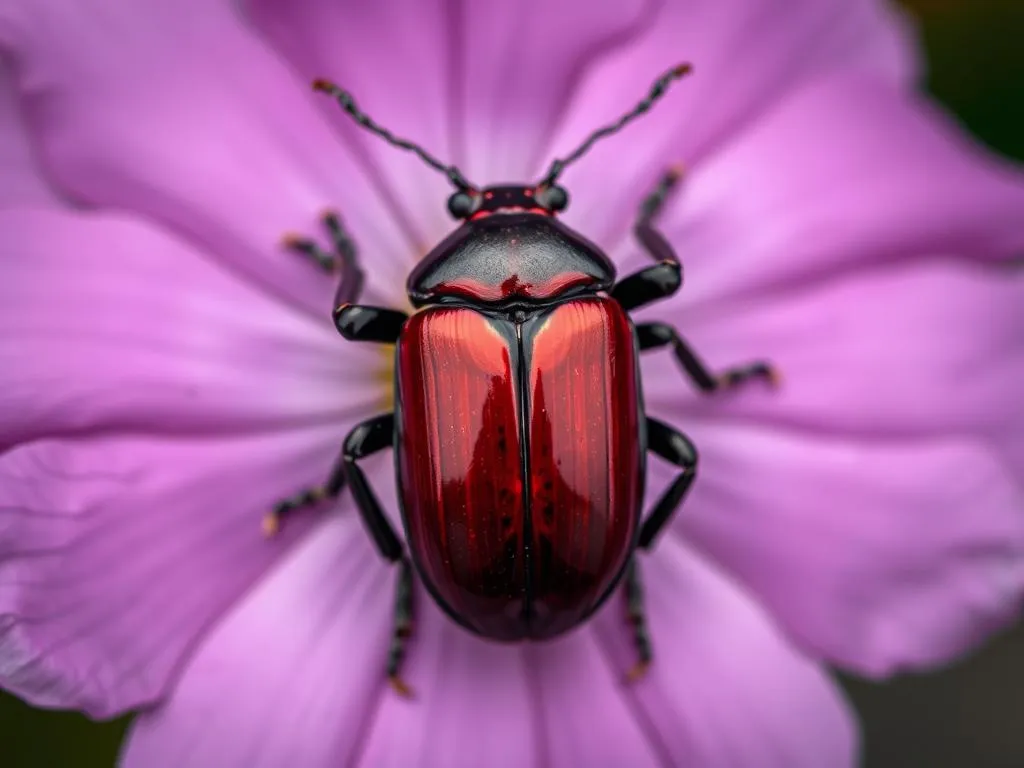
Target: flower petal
(879,556)
(583,715)
(292,675)
(477,84)
(473,704)
(223,143)
(110,323)
(845,173)
(21,183)
(746,54)
(725,688)
(117,552)
(914,348)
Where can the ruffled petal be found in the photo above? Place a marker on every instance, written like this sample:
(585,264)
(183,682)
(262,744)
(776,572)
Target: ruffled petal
(725,689)
(912,349)
(747,55)
(117,552)
(844,174)
(21,182)
(222,144)
(111,323)
(292,675)
(879,555)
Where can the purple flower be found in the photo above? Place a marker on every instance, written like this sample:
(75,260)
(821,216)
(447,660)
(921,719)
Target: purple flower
(168,371)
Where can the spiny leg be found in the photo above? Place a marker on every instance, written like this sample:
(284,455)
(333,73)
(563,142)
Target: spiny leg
(637,618)
(659,335)
(365,439)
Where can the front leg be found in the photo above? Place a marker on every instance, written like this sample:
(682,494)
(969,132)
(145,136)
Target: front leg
(342,259)
(660,281)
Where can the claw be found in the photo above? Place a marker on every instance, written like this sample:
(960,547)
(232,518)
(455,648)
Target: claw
(291,240)
(637,671)
(271,525)
(400,687)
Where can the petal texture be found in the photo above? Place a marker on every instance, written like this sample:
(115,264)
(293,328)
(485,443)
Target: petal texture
(223,144)
(20,180)
(916,348)
(747,56)
(845,173)
(117,552)
(726,690)
(488,86)
(111,323)
(292,674)
(877,555)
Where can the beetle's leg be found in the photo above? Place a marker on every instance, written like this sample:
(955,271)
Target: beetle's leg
(371,437)
(401,628)
(661,280)
(376,324)
(637,618)
(658,335)
(676,448)
(305,499)
(652,240)
(343,259)
(648,285)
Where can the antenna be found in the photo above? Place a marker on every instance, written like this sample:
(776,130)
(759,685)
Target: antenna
(344,98)
(657,91)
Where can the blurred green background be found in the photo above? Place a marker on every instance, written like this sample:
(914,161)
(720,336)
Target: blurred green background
(970,715)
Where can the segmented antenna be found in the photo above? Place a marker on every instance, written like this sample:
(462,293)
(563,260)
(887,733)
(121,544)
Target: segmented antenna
(344,98)
(657,91)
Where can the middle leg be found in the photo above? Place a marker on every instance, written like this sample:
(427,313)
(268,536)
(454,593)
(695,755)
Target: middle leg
(659,335)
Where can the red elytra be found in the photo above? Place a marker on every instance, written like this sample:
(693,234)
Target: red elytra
(519,461)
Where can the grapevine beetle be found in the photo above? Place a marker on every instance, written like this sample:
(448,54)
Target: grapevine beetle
(519,428)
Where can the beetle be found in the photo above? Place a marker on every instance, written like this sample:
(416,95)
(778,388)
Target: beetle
(519,430)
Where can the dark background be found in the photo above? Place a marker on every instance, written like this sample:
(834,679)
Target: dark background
(970,715)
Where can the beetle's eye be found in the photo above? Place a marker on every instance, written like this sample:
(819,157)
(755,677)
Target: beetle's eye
(460,205)
(554,198)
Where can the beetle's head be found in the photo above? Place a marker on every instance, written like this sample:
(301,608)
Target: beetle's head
(545,200)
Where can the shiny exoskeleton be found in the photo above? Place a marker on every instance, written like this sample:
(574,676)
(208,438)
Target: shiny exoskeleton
(519,425)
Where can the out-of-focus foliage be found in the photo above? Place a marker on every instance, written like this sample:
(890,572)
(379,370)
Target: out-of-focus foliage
(966,716)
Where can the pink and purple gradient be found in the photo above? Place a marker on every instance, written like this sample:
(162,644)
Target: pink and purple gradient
(168,371)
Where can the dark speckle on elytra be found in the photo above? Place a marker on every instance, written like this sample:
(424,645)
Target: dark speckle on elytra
(548,512)
(506,521)
(502,445)
(548,485)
